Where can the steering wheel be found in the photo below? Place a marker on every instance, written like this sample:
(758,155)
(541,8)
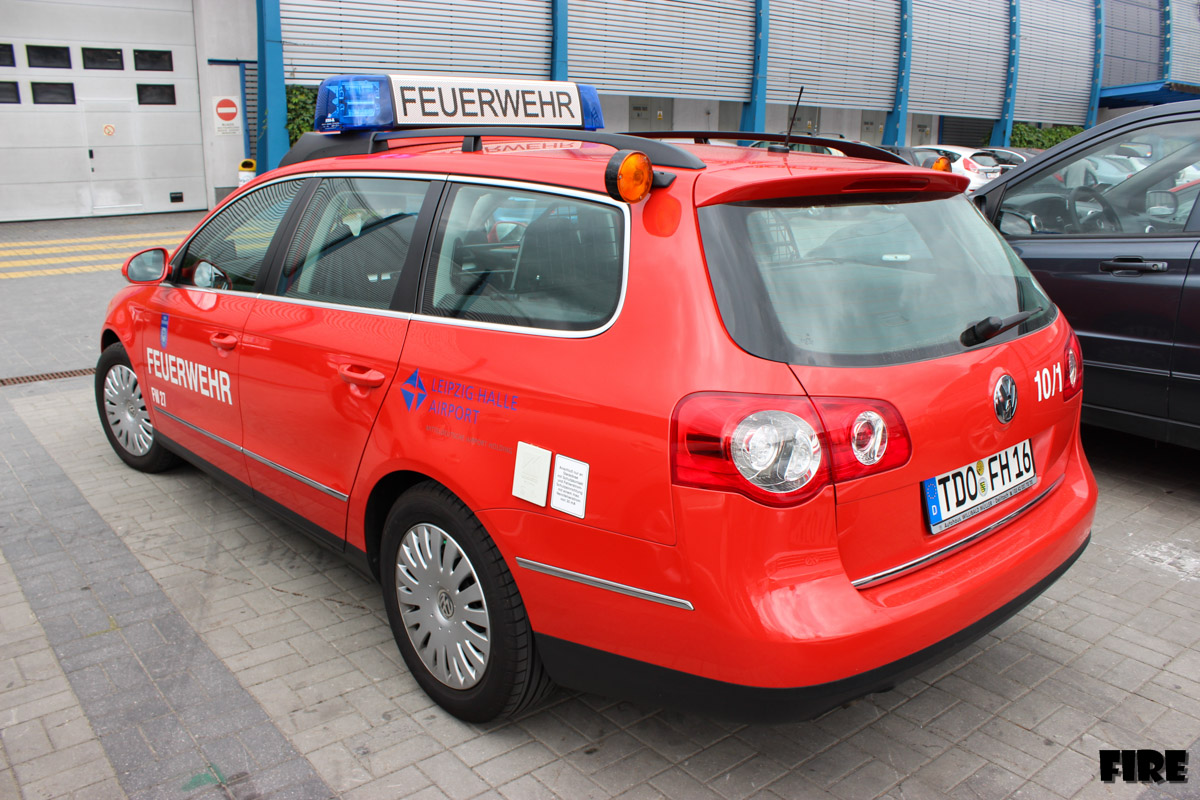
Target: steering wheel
(1103,221)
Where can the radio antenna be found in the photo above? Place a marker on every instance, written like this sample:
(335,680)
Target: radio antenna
(787,140)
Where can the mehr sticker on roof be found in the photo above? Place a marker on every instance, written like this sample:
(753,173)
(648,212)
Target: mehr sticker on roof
(389,102)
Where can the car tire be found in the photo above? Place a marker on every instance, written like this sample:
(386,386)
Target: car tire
(455,610)
(124,416)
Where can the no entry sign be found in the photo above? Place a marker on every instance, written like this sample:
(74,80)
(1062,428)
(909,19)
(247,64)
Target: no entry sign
(228,113)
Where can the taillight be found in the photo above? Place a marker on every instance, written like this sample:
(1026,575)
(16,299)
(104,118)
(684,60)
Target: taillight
(865,436)
(969,165)
(769,448)
(780,450)
(1072,368)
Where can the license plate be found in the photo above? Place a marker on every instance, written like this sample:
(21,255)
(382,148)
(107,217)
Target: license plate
(960,494)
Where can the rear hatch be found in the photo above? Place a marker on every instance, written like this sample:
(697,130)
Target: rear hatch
(909,306)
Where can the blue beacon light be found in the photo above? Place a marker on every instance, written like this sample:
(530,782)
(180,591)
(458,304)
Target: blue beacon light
(354,103)
(367,103)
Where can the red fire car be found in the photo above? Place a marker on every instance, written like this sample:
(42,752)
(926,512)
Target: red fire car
(748,430)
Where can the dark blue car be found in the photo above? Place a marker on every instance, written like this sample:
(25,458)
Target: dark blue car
(1117,251)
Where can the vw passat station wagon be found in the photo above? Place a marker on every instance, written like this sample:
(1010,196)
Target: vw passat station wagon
(744,430)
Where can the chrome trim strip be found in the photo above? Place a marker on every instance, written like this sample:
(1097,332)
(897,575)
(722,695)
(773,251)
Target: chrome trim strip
(199,430)
(917,563)
(306,481)
(600,583)
(301,301)
(320,487)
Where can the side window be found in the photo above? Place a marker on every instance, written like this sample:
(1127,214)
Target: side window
(353,241)
(526,258)
(229,251)
(1134,183)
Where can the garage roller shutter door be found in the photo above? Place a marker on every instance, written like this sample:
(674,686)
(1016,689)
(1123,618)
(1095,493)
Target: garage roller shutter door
(960,57)
(325,37)
(843,53)
(661,48)
(1054,80)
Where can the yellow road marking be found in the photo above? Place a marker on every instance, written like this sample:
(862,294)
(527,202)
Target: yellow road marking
(35,262)
(113,238)
(60,271)
(170,244)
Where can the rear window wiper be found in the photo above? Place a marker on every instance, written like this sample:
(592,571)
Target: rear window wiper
(990,327)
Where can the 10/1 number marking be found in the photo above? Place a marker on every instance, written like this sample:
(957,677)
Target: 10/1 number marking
(1048,383)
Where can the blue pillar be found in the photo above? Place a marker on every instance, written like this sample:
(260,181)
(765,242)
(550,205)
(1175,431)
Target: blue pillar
(272,94)
(1166,19)
(895,127)
(1097,67)
(558,41)
(754,112)
(1002,130)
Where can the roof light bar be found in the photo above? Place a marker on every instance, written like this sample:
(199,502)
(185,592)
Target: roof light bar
(392,102)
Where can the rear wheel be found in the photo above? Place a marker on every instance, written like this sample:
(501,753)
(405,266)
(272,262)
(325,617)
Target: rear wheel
(455,610)
(124,415)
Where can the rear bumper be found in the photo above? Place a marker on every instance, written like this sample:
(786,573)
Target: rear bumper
(589,669)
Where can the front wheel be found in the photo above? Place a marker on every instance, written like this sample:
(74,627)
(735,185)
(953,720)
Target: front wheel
(124,416)
(455,610)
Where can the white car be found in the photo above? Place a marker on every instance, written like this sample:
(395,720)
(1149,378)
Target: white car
(961,162)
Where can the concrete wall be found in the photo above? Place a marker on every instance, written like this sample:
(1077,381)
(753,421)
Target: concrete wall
(226,30)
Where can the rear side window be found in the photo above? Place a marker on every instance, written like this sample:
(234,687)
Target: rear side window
(353,241)
(885,280)
(228,253)
(516,257)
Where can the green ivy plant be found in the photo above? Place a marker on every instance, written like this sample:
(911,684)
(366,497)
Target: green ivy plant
(301,107)
(1025,135)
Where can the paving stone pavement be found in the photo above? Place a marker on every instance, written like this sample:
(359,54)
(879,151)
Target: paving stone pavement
(215,643)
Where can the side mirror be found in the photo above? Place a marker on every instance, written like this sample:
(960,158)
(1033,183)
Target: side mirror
(1161,203)
(1014,223)
(148,266)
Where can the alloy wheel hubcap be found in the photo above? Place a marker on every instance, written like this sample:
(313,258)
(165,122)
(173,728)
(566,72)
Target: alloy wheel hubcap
(125,411)
(442,606)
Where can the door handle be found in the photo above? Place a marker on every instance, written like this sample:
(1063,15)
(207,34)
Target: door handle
(223,341)
(361,376)
(1132,265)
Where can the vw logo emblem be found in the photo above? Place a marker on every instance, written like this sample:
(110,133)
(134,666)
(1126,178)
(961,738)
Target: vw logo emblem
(445,604)
(1004,396)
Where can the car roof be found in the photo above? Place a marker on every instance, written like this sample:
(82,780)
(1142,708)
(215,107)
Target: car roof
(729,172)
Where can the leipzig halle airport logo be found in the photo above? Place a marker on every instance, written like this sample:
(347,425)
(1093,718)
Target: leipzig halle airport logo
(413,391)
(1144,766)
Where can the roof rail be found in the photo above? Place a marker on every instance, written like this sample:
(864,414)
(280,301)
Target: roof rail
(853,149)
(321,145)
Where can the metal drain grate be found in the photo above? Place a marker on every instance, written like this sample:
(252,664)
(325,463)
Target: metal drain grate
(47,376)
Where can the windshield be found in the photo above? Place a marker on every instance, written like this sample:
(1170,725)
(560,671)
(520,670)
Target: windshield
(880,280)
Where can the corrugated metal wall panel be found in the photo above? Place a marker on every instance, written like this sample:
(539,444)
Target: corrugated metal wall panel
(960,57)
(843,53)
(1054,79)
(1185,41)
(502,37)
(1133,41)
(661,48)
(252,107)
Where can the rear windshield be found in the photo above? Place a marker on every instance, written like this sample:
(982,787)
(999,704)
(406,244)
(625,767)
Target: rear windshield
(875,281)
